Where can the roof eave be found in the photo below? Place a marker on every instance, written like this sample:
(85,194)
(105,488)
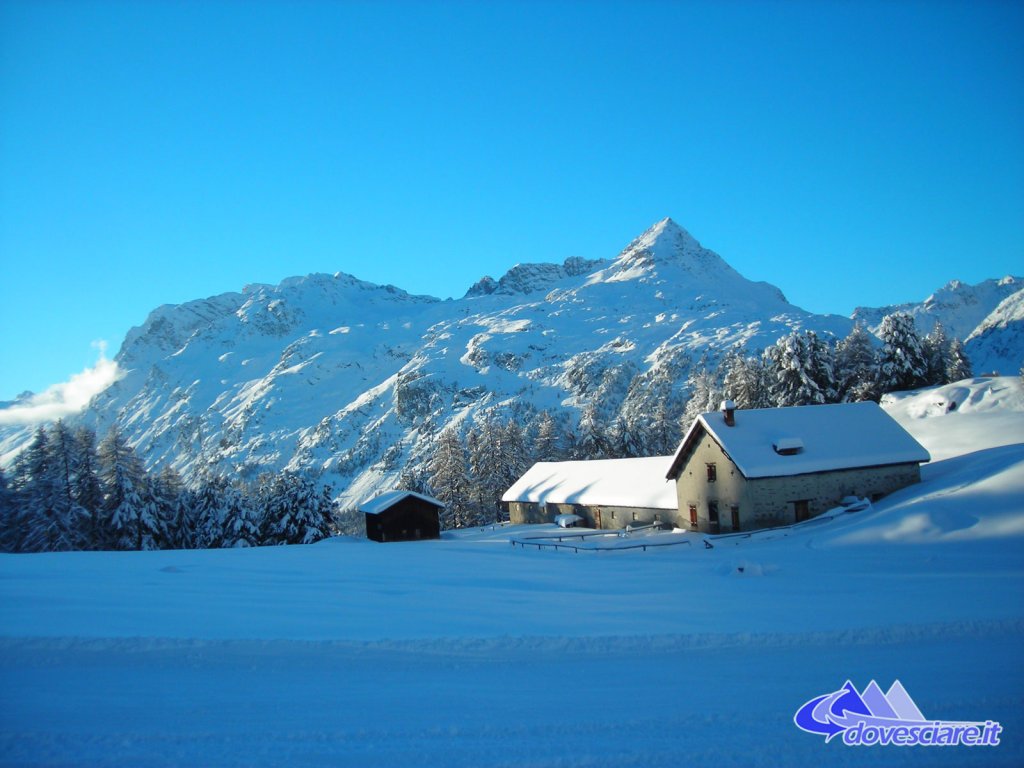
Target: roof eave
(684,447)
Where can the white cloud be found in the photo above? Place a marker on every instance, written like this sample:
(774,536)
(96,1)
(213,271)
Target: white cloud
(67,397)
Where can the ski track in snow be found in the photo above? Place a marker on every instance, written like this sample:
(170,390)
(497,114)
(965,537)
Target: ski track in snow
(521,702)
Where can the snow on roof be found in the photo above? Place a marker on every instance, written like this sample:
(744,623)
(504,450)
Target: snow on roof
(609,482)
(818,438)
(388,499)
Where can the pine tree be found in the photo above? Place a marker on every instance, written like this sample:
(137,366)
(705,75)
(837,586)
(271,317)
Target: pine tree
(856,367)
(36,488)
(89,491)
(134,521)
(447,473)
(547,446)
(241,524)
(792,366)
(514,459)
(592,435)
(626,439)
(294,511)
(323,523)
(902,364)
(744,381)
(663,435)
(207,505)
(478,477)
(821,366)
(413,478)
(705,393)
(959,366)
(8,516)
(68,524)
(936,348)
(168,492)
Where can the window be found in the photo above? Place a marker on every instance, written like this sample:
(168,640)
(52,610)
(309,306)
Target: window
(712,472)
(635,517)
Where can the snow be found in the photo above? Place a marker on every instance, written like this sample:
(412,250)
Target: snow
(545,338)
(960,307)
(608,482)
(839,436)
(388,499)
(467,651)
(996,344)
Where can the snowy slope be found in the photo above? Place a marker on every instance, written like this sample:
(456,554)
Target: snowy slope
(960,307)
(997,344)
(350,381)
(468,652)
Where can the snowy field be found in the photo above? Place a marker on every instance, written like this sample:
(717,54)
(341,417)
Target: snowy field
(471,652)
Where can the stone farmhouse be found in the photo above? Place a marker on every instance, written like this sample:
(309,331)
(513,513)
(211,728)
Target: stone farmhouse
(735,470)
(738,470)
(607,493)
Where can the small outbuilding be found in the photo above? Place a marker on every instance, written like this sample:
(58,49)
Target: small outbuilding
(402,516)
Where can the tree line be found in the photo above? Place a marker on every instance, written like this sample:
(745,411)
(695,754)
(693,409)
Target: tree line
(65,492)
(804,369)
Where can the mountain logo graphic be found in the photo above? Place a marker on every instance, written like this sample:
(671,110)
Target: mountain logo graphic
(871,718)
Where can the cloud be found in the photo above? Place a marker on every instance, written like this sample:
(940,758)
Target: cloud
(65,398)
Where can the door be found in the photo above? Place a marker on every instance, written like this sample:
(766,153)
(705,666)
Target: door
(597,518)
(735,518)
(712,517)
(802,510)
(693,516)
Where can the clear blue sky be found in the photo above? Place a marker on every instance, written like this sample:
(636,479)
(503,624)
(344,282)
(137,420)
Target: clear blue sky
(150,153)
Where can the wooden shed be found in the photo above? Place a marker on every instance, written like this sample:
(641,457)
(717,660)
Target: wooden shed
(402,516)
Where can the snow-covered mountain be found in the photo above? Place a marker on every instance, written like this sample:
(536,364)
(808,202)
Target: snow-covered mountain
(987,317)
(997,344)
(353,381)
(961,308)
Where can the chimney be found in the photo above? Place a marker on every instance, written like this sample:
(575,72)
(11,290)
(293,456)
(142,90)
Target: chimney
(729,413)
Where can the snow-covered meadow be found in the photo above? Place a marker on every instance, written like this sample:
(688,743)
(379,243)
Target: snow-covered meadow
(468,651)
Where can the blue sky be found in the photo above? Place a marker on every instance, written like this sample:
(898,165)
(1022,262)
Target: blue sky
(152,153)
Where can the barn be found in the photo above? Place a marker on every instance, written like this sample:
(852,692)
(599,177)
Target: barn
(738,470)
(607,493)
(402,516)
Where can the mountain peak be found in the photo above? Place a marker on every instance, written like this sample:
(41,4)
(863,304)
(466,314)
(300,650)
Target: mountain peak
(665,231)
(667,243)
(663,241)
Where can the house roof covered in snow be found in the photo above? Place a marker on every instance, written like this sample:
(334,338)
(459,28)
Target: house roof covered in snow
(778,442)
(605,482)
(388,499)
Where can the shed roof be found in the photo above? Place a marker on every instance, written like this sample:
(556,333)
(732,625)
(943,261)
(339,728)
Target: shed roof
(778,442)
(609,482)
(388,499)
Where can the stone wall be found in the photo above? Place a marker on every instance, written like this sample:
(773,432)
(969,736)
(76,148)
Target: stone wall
(769,501)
